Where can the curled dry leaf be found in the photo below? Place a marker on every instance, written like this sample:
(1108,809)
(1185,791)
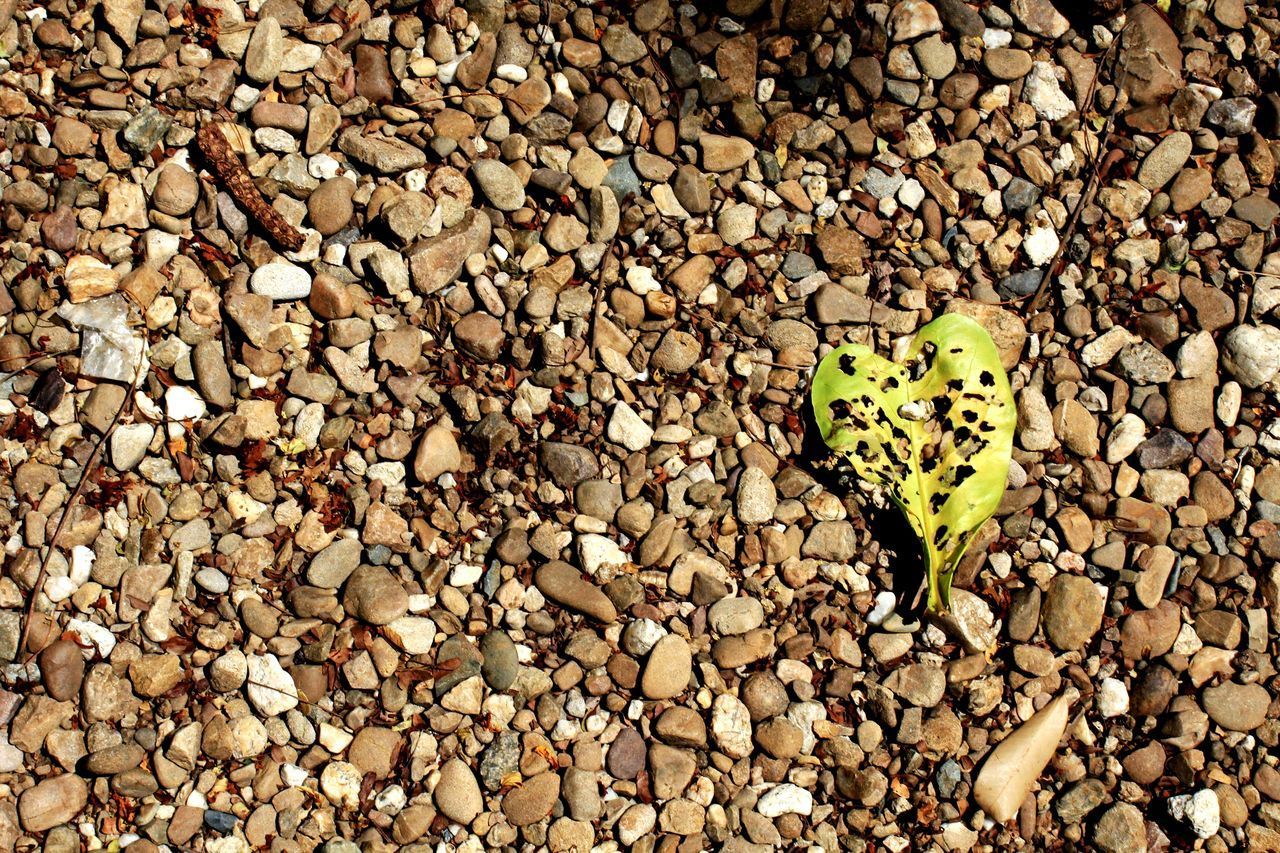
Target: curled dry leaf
(1017,761)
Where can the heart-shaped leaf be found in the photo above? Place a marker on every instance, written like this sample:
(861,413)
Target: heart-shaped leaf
(935,431)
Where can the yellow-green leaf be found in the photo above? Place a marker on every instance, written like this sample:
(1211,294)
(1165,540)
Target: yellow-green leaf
(935,431)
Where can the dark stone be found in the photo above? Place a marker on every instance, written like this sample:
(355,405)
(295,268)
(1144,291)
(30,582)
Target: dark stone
(568,464)
(960,17)
(1165,449)
(1019,196)
(220,822)
(1020,283)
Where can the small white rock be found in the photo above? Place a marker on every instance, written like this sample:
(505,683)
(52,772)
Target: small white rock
(340,783)
(1040,244)
(95,639)
(785,799)
(884,606)
(1199,810)
(512,73)
(596,552)
(1113,698)
(270,688)
(1125,437)
(1041,90)
(731,728)
(413,634)
(628,429)
(183,404)
(282,282)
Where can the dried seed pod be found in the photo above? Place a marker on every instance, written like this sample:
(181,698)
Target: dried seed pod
(235,177)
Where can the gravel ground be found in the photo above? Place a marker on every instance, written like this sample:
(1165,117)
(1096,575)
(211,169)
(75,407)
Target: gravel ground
(403,439)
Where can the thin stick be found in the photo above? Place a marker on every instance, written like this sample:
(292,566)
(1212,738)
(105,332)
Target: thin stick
(86,472)
(1086,192)
(53,108)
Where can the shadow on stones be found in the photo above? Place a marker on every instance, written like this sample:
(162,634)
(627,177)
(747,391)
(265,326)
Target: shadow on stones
(888,526)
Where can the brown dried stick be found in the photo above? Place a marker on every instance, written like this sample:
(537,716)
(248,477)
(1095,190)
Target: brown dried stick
(235,177)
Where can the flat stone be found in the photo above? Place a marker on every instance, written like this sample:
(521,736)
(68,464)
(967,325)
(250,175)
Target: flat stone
(52,802)
(1236,707)
(666,675)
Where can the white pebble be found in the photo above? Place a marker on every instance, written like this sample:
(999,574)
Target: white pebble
(183,404)
(281,282)
(884,606)
(1113,698)
(785,799)
(513,73)
(1199,810)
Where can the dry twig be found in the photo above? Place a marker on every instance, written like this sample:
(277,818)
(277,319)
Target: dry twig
(1091,179)
(86,474)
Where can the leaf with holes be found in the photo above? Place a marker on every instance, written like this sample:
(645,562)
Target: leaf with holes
(936,431)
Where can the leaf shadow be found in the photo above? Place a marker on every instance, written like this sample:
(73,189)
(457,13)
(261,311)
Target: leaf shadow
(887,524)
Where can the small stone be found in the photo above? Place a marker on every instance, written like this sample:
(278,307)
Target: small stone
(480,336)
(457,793)
(533,800)
(568,464)
(666,675)
(724,153)
(911,19)
(731,726)
(501,662)
(52,802)
(437,453)
(281,282)
(1007,63)
(265,53)
(176,192)
(499,183)
(1236,707)
(1121,829)
(785,799)
(123,17)
(62,669)
(1165,161)
(1252,354)
(564,585)
(1072,612)
(1040,17)
(919,684)
(1200,811)
(271,689)
(330,206)
(155,675)
(374,595)
(628,429)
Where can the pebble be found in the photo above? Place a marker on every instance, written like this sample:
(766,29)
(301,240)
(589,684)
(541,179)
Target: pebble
(271,689)
(1200,811)
(52,802)
(374,596)
(1072,612)
(457,794)
(62,669)
(438,453)
(666,674)
(330,207)
(499,184)
(281,282)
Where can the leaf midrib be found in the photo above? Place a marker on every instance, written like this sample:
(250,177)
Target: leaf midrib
(915,430)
